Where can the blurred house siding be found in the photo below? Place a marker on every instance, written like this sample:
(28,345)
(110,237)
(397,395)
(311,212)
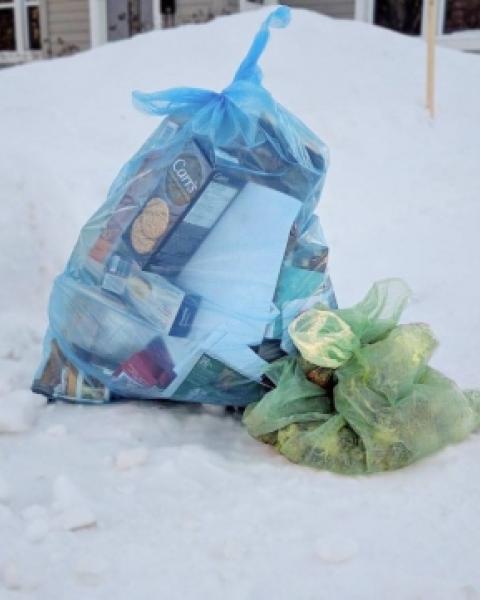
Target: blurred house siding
(342,9)
(68,26)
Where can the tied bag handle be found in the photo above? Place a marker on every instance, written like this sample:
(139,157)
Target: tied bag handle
(193,99)
(249,69)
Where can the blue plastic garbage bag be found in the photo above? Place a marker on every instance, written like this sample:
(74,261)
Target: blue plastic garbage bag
(183,284)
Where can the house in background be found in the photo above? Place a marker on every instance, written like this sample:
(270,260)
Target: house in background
(31,29)
(458,21)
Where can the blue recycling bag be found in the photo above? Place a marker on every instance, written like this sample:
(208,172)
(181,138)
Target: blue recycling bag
(183,284)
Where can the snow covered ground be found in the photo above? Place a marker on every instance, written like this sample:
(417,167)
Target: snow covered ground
(142,501)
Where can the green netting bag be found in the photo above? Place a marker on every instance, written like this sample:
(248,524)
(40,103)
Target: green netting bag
(377,405)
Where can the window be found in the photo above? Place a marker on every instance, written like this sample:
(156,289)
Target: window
(33,26)
(461,15)
(7,26)
(458,21)
(400,15)
(20,29)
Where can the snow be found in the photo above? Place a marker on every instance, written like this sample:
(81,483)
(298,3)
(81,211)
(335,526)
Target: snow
(336,549)
(5,491)
(37,530)
(18,410)
(71,508)
(18,576)
(205,511)
(133,457)
(90,570)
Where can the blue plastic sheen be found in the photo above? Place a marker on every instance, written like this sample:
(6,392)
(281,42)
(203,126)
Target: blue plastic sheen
(184,282)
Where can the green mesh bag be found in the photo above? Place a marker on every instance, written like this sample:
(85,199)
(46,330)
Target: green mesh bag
(361,398)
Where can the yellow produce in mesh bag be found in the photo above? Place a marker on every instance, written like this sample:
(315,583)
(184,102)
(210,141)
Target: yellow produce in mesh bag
(384,407)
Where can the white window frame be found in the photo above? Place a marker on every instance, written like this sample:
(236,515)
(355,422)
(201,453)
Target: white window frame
(463,40)
(22,53)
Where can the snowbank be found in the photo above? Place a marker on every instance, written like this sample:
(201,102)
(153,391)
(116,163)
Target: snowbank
(212,513)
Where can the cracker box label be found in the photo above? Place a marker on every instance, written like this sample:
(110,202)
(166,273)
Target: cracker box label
(177,191)
(172,256)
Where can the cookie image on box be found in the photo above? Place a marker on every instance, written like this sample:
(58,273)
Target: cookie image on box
(149,225)
(154,218)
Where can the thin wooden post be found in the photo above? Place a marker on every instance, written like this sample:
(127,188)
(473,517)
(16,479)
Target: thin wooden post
(431,38)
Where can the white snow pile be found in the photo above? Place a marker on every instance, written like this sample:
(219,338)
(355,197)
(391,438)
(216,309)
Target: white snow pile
(137,501)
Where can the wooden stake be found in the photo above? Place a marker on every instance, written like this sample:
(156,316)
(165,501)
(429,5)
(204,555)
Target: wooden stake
(431,37)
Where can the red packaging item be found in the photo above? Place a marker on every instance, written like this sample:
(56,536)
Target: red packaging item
(150,367)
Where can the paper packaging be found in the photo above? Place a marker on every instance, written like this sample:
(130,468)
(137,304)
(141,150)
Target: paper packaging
(157,300)
(96,325)
(191,195)
(163,304)
(201,215)
(51,372)
(196,224)
(142,183)
(272,163)
(150,367)
(216,369)
(60,379)
(237,288)
(177,190)
(128,207)
(75,386)
(210,380)
(167,211)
